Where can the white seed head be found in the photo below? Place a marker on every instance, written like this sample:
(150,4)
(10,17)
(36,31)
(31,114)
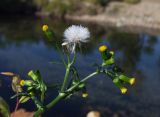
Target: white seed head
(74,35)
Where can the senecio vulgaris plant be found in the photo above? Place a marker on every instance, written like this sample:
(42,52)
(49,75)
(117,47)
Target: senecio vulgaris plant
(35,87)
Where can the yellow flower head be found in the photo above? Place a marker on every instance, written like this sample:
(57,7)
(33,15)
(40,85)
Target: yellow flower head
(132,81)
(22,82)
(84,95)
(45,28)
(102,48)
(123,90)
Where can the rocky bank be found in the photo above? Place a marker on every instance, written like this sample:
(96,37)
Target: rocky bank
(142,17)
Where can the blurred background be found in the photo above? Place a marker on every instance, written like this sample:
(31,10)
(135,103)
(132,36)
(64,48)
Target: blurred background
(129,27)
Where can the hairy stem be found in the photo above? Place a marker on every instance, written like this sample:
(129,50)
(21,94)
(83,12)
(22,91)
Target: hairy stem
(63,95)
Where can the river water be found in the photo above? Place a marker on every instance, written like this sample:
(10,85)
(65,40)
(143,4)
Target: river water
(23,47)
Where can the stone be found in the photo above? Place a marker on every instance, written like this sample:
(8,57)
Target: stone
(93,114)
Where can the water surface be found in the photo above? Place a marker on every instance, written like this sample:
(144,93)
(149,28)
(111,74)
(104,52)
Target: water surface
(23,47)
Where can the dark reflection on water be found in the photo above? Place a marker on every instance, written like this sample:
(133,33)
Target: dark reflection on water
(23,47)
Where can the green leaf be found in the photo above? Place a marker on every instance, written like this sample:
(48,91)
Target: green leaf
(4,109)
(24,99)
(29,88)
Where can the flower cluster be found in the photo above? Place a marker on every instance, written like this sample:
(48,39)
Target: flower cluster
(33,87)
(113,70)
(107,56)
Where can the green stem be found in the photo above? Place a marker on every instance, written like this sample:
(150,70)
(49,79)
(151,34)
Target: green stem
(42,96)
(60,53)
(68,58)
(74,59)
(67,72)
(56,100)
(63,95)
(50,105)
(38,113)
(83,80)
(66,77)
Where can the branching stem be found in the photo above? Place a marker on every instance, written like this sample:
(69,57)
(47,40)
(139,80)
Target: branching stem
(63,95)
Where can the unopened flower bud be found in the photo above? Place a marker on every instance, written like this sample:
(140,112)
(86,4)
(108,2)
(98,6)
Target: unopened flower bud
(118,83)
(123,90)
(32,75)
(28,82)
(124,78)
(132,81)
(103,48)
(45,28)
(84,95)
